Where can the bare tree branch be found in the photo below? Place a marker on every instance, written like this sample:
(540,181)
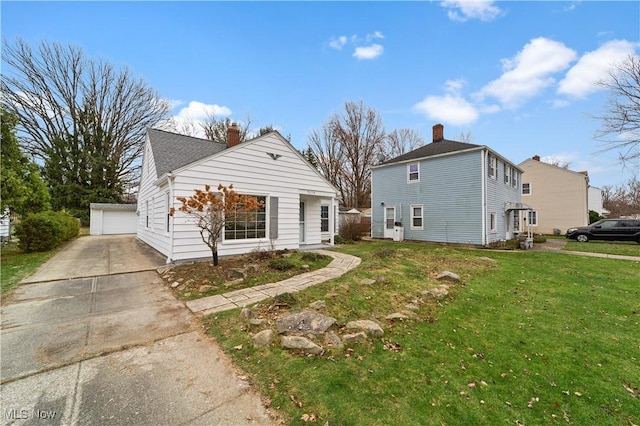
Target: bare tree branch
(620,129)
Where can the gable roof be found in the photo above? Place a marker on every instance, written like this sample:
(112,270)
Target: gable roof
(172,150)
(443,146)
(582,174)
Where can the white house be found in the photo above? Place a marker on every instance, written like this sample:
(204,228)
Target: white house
(595,201)
(297,199)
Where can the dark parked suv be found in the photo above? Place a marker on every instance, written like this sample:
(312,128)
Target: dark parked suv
(607,229)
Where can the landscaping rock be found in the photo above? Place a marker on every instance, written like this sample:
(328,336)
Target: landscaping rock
(263,338)
(305,267)
(300,343)
(254,269)
(204,288)
(234,282)
(367,281)
(332,339)
(175,284)
(396,316)
(236,273)
(371,328)
(354,338)
(488,260)
(318,305)
(449,276)
(412,306)
(438,292)
(258,322)
(304,322)
(246,314)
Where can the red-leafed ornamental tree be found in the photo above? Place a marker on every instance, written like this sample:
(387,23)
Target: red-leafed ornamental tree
(212,210)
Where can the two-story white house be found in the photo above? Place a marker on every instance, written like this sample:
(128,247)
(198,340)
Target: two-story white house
(447,191)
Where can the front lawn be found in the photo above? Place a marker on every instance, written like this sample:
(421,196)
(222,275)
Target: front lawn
(535,338)
(16,265)
(624,248)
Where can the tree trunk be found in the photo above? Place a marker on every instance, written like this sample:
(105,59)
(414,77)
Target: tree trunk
(215,257)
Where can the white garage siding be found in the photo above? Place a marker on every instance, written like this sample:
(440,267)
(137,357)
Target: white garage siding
(110,219)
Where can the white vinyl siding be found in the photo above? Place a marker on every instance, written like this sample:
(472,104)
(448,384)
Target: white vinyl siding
(250,169)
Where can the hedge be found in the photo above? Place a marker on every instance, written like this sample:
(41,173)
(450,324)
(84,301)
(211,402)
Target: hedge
(46,230)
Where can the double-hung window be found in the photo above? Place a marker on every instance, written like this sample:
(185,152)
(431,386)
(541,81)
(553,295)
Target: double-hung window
(243,225)
(507,173)
(416,216)
(526,188)
(493,225)
(413,172)
(532,216)
(324,218)
(514,177)
(493,166)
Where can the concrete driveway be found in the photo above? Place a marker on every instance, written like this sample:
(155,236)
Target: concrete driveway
(96,338)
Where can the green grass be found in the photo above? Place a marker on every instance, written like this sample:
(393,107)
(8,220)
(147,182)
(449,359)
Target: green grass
(16,265)
(625,248)
(537,338)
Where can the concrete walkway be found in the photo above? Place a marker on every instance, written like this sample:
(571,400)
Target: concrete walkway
(557,246)
(340,264)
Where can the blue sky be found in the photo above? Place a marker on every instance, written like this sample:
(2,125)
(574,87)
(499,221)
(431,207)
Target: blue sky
(517,76)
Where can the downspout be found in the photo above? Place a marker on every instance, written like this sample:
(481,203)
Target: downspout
(332,221)
(170,179)
(484,196)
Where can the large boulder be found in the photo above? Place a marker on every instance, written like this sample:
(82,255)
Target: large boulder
(304,322)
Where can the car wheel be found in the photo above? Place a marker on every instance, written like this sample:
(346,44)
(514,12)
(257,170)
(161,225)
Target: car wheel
(582,238)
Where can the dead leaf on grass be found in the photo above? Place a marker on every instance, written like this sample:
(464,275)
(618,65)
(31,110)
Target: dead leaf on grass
(635,392)
(309,418)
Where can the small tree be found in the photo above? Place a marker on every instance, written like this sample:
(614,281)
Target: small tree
(213,210)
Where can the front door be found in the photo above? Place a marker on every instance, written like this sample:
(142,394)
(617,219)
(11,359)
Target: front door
(302,223)
(389,221)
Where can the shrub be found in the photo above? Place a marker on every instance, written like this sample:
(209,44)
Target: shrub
(353,230)
(46,230)
(539,238)
(282,264)
(337,239)
(311,257)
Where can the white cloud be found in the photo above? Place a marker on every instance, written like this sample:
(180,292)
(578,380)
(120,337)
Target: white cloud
(529,72)
(368,52)
(200,111)
(449,109)
(363,46)
(464,10)
(593,66)
(338,43)
(375,35)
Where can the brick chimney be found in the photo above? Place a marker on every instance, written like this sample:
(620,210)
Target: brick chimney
(438,133)
(233,135)
(536,157)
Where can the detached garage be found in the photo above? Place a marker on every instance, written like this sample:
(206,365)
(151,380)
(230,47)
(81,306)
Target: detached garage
(109,219)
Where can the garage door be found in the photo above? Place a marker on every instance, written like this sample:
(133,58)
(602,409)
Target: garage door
(115,222)
(109,219)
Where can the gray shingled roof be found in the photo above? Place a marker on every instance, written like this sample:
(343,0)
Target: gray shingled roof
(443,146)
(172,151)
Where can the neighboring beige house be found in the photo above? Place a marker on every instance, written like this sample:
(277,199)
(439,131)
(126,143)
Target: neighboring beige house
(558,196)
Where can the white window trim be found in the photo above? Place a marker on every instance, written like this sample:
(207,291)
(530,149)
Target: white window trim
(522,189)
(417,228)
(507,174)
(167,223)
(409,180)
(327,219)
(493,163)
(232,241)
(528,216)
(493,222)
